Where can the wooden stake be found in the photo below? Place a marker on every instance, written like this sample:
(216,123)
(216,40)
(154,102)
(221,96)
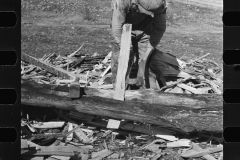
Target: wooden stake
(123,62)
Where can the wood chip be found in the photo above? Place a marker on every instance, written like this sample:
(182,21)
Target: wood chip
(191,89)
(204,90)
(82,136)
(101,154)
(74,53)
(203,152)
(70,128)
(198,59)
(196,147)
(107,57)
(105,71)
(176,90)
(48,125)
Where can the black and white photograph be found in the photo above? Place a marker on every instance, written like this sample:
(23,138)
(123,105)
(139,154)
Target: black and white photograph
(121,80)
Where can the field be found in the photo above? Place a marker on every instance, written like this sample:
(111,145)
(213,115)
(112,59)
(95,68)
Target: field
(62,26)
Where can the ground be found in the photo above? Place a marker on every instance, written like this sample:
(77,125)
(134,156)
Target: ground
(62,26)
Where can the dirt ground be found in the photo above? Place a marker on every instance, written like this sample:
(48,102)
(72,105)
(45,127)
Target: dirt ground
(62,26)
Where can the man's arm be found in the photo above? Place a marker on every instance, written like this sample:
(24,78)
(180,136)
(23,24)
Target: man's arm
(119,8)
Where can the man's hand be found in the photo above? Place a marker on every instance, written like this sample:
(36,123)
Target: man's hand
(140,81)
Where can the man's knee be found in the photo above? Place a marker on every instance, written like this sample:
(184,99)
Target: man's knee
(115,51)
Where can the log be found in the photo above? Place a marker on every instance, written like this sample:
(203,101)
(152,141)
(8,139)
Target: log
(175,111)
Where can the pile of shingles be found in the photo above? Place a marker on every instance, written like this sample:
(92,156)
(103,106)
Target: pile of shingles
(198,76)
(72,140)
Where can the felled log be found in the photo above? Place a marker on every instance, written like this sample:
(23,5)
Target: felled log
(186,112)
(195,101)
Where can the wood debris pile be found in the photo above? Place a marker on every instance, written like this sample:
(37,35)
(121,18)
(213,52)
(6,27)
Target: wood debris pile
(72,135)
(87,67)
(198,76)
(59,136)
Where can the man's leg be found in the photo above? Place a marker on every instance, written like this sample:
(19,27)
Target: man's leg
(153,66)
